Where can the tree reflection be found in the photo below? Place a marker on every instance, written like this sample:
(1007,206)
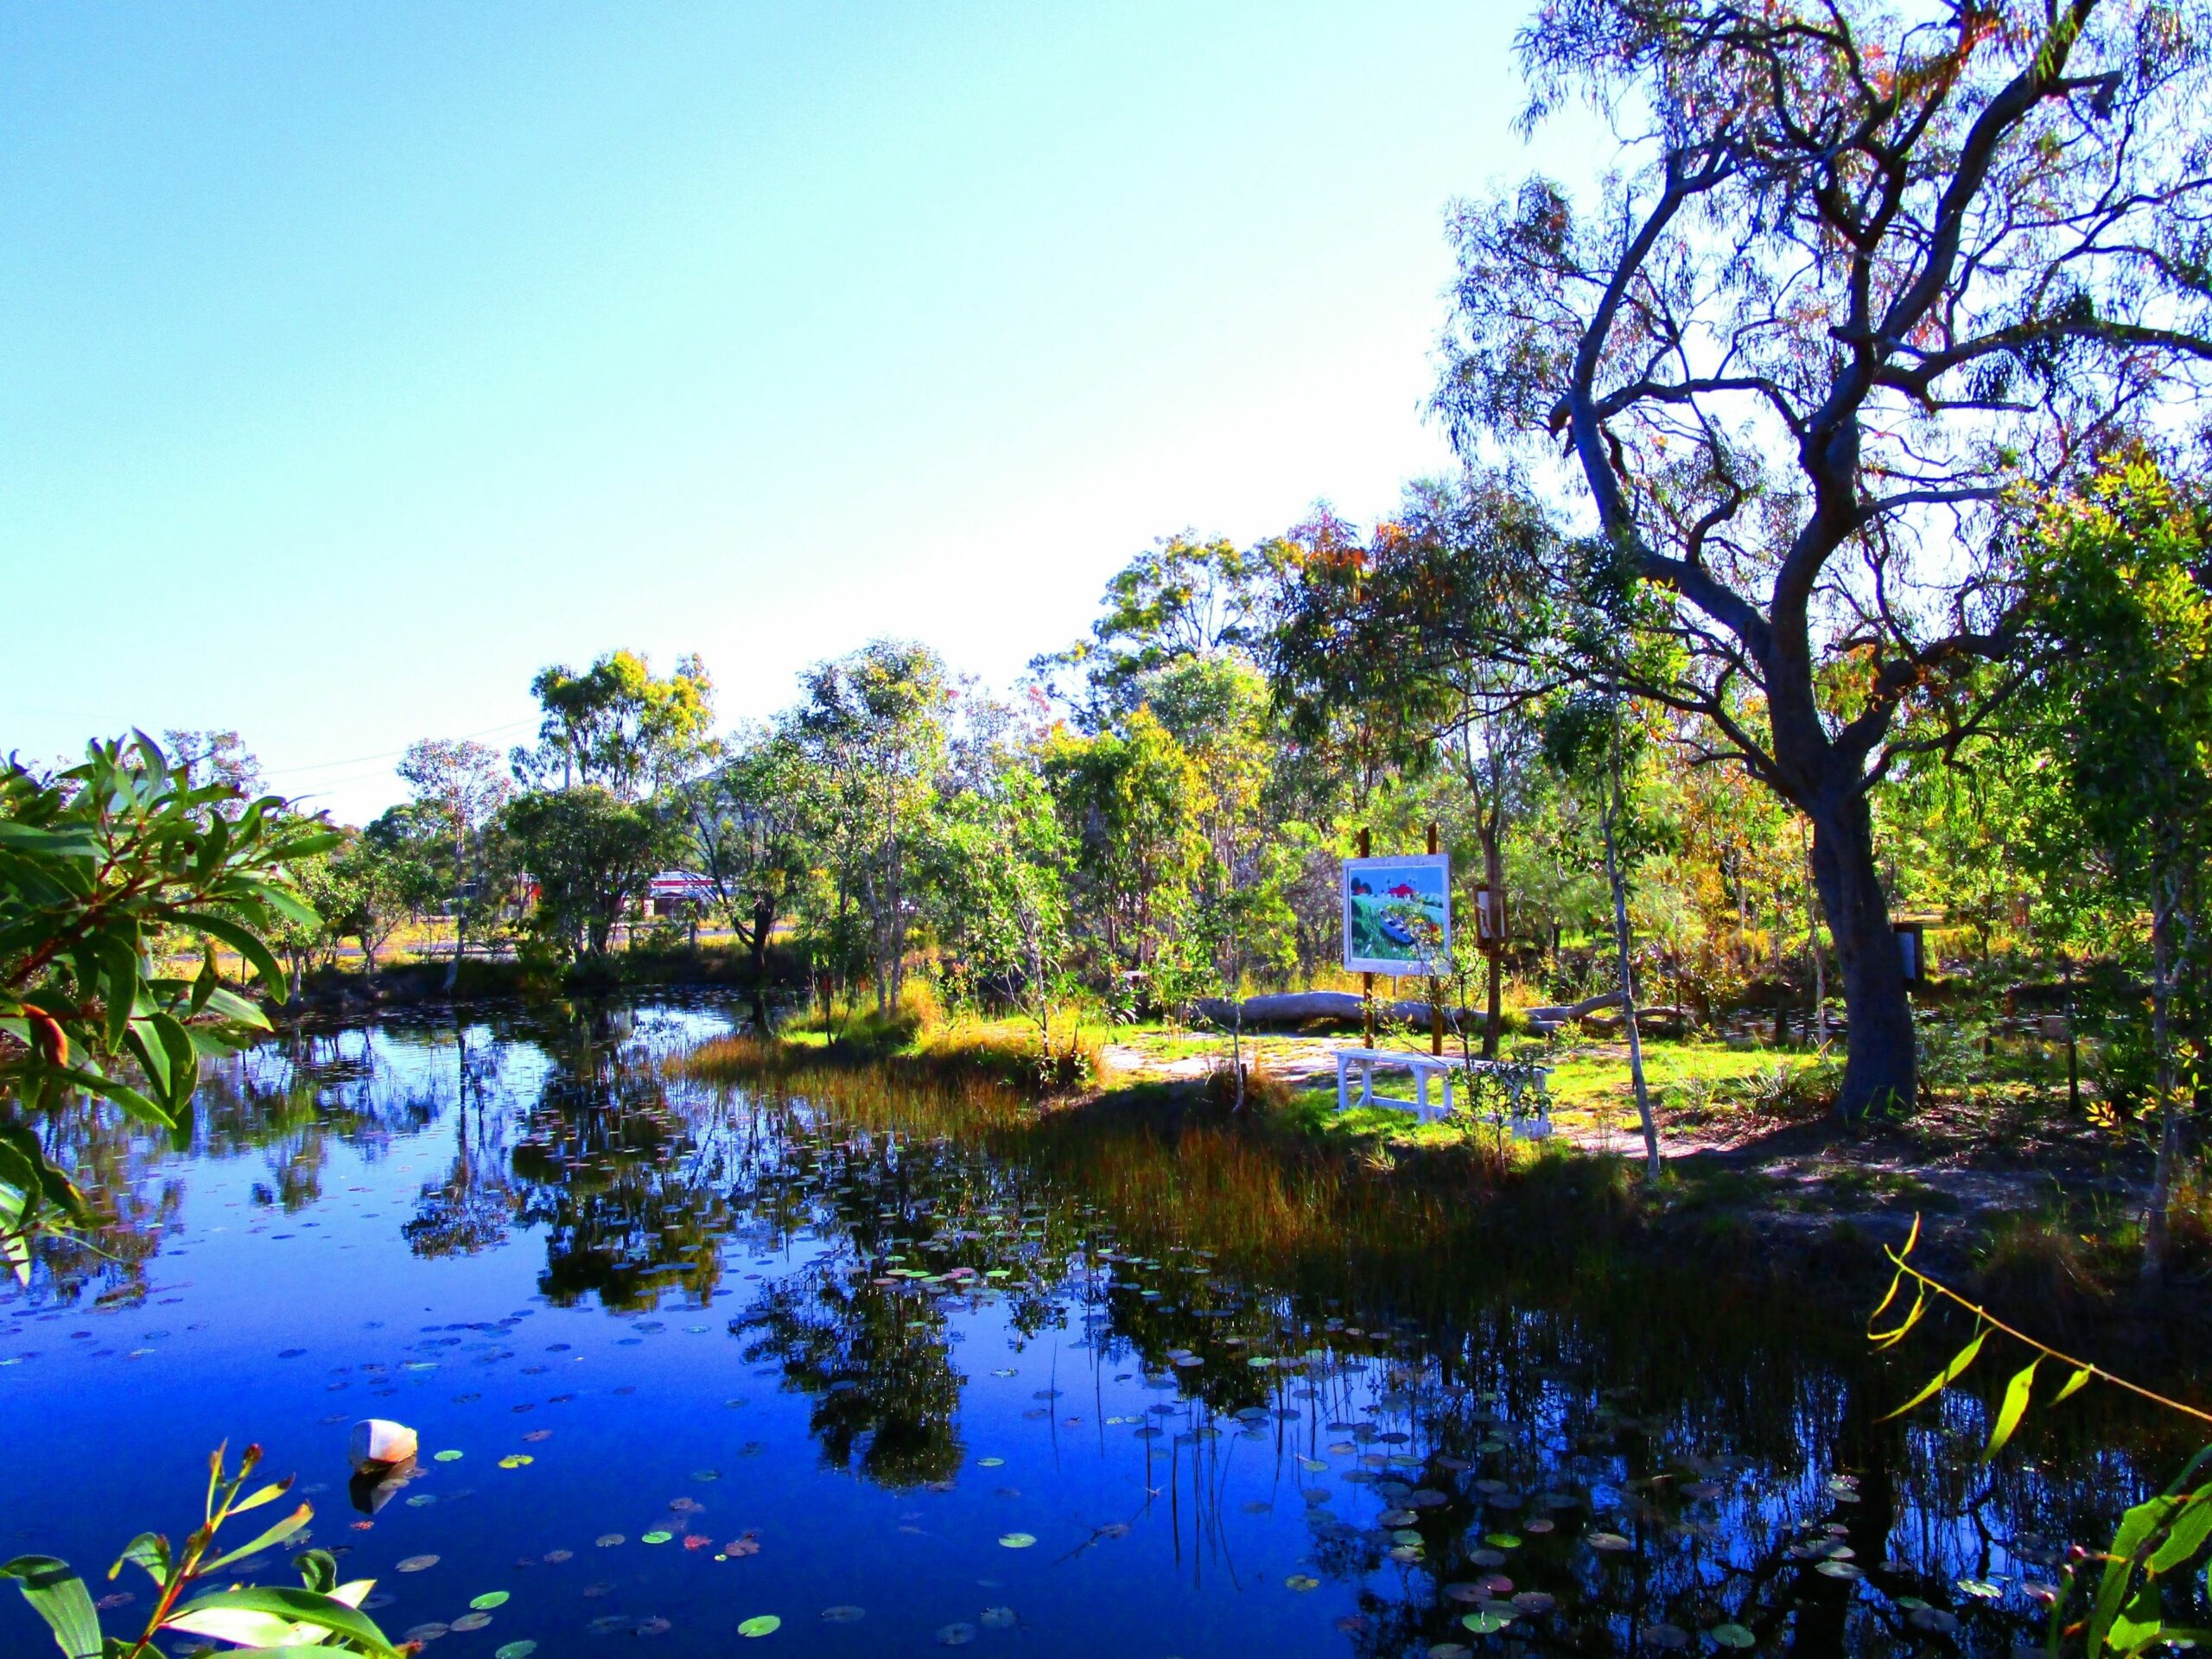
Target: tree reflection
(879,1369)
(607,1167)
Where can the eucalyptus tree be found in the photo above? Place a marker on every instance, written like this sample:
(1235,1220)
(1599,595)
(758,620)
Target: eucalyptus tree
(459,780)
(618,726)
(589,855)
(996,859)
(1130,800)
(1864,269)
(746,825)
(1589,739)
(202,756)
(1183,598)
(1442,634)
(874,724)
(2119,603)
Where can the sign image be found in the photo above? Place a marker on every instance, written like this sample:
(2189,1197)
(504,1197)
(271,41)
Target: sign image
(1397,914)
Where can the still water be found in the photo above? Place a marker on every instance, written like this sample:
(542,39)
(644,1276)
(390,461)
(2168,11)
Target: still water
(680,1359)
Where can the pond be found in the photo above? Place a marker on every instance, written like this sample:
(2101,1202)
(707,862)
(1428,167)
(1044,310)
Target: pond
(688,1363)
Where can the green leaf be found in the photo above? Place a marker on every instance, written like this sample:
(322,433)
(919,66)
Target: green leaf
(2138,1624)
(2075,1383)
(276,1534)
(2015,1408)
(206,984)
(152,1057)
(118,982)
(245,941)
(1945,1377)
(2185,1534)
(2136,1528)
(268,1494)
(229,1005)
(318,1570)
(183,1059)
(59,1597)
(1895,1334)
(149,1550)
(301,1607)
(134,1103)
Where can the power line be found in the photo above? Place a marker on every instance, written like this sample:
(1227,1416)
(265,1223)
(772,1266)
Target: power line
(388,754)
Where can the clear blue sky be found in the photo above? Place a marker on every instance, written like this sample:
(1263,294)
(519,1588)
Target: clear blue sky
(356,361)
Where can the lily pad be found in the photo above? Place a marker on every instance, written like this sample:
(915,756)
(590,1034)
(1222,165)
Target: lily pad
(417,1563)
(1732,1635)
(956,1635)
(1016,1539)
(521,1649)
(447,1456)
(471,1622)
(658,1536)
(517,1460)
(488,1600)
(760,1624)
(1302,1582)
(998,1618)
(1483,1623)
(843,1614)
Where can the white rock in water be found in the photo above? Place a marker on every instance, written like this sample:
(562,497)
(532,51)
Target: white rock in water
(378,1441)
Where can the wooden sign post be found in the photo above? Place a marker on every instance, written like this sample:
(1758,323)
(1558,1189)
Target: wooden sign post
(1435,995)
(1367,980)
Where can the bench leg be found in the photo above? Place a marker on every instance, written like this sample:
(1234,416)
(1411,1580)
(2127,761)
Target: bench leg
(1367,1083)
(1420,1092)
(1341,1069)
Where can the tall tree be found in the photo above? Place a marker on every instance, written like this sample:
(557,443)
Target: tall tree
(1182,598)
(2120,601)
(590,855)
(1868,267)
(617,726)
(997,864)
(462,782)
(203,757)
(874,723)
(1440,634)
(1129,801)
(747,824)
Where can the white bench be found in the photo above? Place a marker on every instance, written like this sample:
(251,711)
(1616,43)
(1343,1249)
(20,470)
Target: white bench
(1518,1077)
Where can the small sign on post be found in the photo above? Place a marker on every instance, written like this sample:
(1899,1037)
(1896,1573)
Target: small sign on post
(1490,919)
(1912,951)
(1435,992)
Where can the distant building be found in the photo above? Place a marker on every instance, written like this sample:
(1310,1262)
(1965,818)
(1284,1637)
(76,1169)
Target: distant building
(678,892)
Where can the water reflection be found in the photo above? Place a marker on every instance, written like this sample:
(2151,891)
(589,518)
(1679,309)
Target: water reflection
(1606,1463)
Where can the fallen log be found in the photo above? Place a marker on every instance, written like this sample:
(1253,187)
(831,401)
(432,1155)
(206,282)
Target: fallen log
(1295,1007)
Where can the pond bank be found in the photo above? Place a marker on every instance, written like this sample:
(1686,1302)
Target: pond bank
(1763,1193)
